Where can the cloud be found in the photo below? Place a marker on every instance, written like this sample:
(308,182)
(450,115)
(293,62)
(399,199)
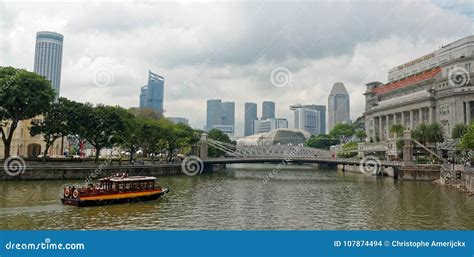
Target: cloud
(228,50)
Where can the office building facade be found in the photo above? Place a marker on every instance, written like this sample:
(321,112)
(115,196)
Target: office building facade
(48,57)
(220,115)
(268,110)
(151,95)
(338,105)
(250,116)
(310,118)
(262,126)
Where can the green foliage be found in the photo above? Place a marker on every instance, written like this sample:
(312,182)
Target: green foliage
(467,141)
(397,129)
(349,146)
(459,130)
(428,133)
(346,154)
(342,131)
(218,136)
(55,124)
(23,95)
(360,134)
(321,141)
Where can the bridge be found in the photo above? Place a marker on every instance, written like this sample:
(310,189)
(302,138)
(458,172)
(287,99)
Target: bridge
(282,154)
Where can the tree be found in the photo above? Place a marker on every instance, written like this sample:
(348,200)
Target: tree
(23,95)
(146,113)
(55,123)
(342,131)
(467,140)
(397,129)
(435,133)
(129,136)
(360,133)
(218,136)
(321,141)
(420,134)
(459,130)
(428,133)
(100,124)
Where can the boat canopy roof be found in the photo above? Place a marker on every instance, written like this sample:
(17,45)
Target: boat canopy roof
(128,179)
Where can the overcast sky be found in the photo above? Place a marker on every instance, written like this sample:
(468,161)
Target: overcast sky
(229,50)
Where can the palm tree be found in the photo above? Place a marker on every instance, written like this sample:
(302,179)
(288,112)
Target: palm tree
(459,130)
(420,133)
(397,129)
(435,133)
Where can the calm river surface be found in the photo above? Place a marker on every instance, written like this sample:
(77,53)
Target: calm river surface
(298,197)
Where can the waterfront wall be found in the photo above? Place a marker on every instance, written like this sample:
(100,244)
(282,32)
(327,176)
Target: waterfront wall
(88,170)
(416,172)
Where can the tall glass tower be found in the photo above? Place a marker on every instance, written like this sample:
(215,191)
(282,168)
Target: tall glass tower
(268,110)
(153,93)
(250,118)
(338,105)
(48,57)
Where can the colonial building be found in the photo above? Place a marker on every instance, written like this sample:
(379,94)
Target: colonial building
(436,87)
(25,145)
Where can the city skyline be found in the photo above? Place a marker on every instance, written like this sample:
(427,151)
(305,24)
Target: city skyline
(208,72)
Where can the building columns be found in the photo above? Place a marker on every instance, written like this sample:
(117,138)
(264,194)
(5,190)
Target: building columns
(380,128)
(411,120)
(403,119)
(468,112)
(420,116)
(387,126)
(430,114)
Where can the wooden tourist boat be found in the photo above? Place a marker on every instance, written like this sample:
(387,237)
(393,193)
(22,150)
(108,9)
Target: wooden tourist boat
(113,190)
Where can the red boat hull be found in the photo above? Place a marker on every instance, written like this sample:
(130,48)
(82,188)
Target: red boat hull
(113,199)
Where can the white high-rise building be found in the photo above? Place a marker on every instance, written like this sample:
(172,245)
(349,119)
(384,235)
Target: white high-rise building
(48,57)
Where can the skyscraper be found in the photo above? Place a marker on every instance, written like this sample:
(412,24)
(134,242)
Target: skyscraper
(214,113)
(48,57)
(311,118)
(250,117)
(338,105)
(268,110)
(154,92)
(221,116)
(143,96)
(228,114)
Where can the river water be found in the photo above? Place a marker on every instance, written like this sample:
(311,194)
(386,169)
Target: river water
(297,197)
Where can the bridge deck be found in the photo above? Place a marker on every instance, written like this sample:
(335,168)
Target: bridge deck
(230,160)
